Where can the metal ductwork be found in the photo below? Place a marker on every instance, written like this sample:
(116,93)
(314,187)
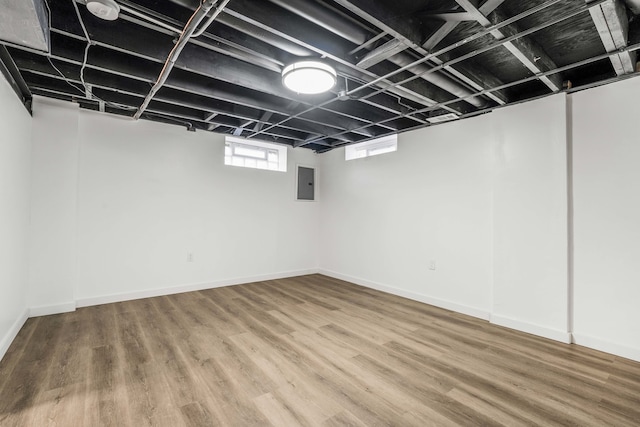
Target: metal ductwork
(349,30)
(25,23)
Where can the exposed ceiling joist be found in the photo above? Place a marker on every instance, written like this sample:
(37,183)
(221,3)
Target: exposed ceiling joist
(11,73)
(561,17)
(613,27)
(381,53)
(483,79)
(264,119)
(217,100)
(452,16)
(195,58)
(524,49)
(228,80)
(407,30)
(443,31)
(279,22)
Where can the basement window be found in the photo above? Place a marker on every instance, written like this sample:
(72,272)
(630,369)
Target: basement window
(248,153)
(386,144)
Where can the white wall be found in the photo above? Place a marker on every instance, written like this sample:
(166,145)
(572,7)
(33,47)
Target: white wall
(149,194)
(530,201)
(15,152)
(53,254)
(485,198)
(385,218)
(606,173)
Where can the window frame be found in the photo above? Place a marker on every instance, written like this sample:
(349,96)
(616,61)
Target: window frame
(354,151)
(236,143)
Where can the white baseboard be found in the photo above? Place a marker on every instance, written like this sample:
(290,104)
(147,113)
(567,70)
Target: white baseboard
(46,310)
(606,346)
(6,341)
(128,296)
(530,328)
(448,305)
(11,334)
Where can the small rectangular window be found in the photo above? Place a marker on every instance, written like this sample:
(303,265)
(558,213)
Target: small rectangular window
(249,153)
(386,144)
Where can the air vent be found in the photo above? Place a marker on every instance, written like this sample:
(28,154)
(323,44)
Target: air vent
(25,23)
(443,118)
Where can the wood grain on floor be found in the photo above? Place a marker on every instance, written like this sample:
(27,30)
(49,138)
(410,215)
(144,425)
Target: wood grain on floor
(310,350)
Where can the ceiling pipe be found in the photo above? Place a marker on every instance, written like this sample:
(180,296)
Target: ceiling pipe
(134,12)
(351,71)
(124,7)
(189,30)
(321,16)
(571,89)
(453,46)
(339,25)
(236,21)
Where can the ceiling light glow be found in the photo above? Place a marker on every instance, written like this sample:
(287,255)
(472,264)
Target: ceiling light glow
(309,77)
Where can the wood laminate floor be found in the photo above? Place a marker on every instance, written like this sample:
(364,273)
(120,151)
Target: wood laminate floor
(304,351)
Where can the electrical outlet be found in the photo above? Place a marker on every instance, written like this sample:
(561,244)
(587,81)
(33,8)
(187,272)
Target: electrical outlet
(190,257)
(432,264)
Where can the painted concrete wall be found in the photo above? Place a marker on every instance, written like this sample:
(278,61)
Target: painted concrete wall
(147,195)
(385,218)
(606,176)
(485,199)
(53,231)
(118,206)
(530,240)
(15,170)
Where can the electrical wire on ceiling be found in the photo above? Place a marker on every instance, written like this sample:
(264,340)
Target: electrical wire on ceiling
(49,56)
(87,89)
(86,49)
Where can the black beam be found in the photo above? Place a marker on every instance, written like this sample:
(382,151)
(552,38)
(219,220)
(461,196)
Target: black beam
(217,98)
(409,30)
(203,62)
(12,74)
(282,23)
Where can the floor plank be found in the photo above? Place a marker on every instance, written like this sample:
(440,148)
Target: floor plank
(305,351)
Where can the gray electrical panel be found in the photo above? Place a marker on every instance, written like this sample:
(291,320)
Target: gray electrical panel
(306,183)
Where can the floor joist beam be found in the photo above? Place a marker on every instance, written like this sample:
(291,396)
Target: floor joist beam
(524,49)
(408,33)
(613,27)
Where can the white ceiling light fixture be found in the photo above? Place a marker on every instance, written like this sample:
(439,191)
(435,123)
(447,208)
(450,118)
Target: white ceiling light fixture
(309,77)
(104,9)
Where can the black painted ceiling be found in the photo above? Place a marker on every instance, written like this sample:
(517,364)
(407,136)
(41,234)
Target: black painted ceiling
(228,80)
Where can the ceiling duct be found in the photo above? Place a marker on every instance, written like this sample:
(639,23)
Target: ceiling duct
(25,23)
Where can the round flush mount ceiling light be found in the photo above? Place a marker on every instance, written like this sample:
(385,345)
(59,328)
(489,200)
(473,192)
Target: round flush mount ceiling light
(309,77)
(104,9)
